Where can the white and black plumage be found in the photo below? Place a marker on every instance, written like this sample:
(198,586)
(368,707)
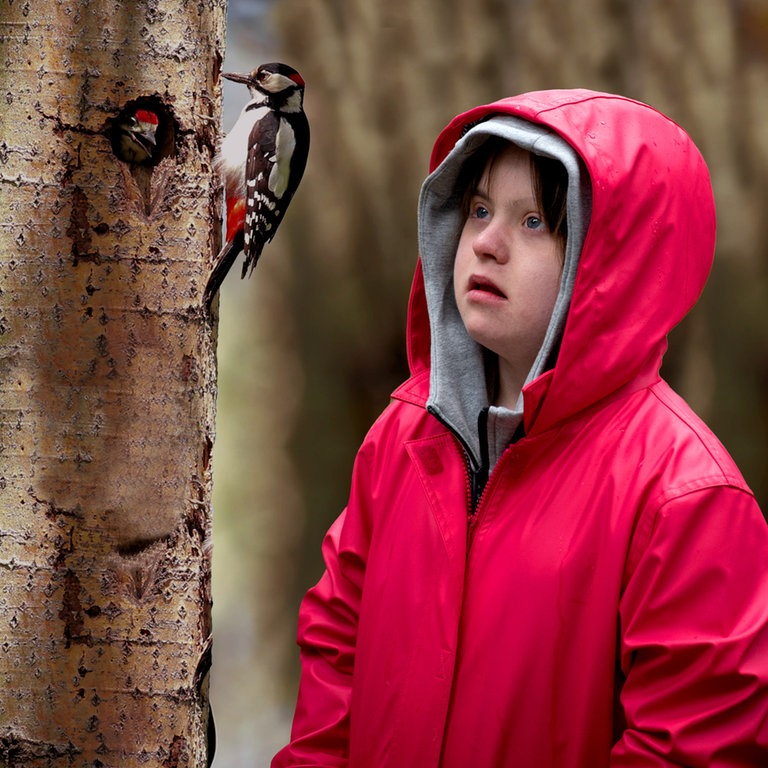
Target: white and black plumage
(262,161)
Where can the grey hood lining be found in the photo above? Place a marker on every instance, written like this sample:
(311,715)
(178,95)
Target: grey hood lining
(458,387)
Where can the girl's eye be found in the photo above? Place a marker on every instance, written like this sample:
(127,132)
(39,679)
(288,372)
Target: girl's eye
(534,222)
(480,212)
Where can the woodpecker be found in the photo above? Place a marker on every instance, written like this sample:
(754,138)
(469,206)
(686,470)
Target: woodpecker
(262,160)
(135,140)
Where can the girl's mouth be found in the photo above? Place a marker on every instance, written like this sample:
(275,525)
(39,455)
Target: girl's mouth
(484,285)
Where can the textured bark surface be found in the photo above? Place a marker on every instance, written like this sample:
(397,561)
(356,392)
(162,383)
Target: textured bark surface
(107,383)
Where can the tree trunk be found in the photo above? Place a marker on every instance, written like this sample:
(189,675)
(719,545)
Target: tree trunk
(107,383)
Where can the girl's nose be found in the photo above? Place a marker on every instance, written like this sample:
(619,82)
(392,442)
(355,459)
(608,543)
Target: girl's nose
(490,243)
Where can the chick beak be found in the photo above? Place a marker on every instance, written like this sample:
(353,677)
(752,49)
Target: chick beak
(149,137)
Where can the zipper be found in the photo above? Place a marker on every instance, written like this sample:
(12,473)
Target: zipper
(477,481)
(477,477)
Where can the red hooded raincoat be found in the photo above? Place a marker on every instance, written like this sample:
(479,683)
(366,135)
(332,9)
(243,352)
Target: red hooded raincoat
(607,603)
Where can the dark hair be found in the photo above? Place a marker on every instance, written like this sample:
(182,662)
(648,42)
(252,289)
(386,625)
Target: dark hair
(550,183)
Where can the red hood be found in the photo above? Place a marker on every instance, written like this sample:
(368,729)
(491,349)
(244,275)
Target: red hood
(646,256)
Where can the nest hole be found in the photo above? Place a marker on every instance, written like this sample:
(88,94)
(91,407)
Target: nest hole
(132,152)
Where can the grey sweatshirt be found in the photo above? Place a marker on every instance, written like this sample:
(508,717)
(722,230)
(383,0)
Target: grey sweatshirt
(458,386)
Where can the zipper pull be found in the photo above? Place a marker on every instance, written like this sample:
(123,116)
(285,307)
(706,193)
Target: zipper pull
(479,477)
(477,481)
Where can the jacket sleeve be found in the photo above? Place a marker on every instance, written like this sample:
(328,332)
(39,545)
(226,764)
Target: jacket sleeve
(327,636)
(694,636)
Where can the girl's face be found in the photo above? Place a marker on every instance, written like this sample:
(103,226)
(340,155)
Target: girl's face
(507,270)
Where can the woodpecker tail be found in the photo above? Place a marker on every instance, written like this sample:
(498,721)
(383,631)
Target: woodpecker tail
(252,252)
(224,261)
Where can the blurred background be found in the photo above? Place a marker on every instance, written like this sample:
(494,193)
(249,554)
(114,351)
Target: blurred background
(311,346)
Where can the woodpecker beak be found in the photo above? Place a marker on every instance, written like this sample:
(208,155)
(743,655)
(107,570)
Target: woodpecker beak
(236,78)
(147,135)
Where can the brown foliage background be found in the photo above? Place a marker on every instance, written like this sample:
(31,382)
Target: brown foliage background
(318,333)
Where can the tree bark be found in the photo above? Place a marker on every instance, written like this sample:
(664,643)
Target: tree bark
(107,383)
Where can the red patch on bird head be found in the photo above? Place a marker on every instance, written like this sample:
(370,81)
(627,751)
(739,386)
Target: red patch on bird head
(298,79)
(145,116)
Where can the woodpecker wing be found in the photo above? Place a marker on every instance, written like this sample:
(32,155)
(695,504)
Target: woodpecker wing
(261,212)
(276,160)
